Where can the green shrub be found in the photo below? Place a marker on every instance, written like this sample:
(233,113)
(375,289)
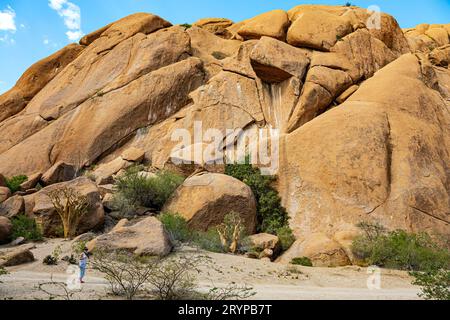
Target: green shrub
(271,214)
(134,190)
(302,261)
(209,241)
(26,227)
(400,250)
(286,237)
(176,226)
(14,183)
(435,284)
(186,25)
(3,272)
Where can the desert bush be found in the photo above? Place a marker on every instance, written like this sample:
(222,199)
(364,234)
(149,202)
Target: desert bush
(3,272)
(23,226)
(399,250)
(53,259)
(286,237)
(435,284)
(271,214)
(231,232)
(14,183)
(136,190)
(302,261)
(126,273)
(71,208)
(176,226)
(209,241)
(174,278)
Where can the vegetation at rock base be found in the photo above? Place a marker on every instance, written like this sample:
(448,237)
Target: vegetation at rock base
(133,189)
(271,214)
(171,278)
(435,284)
(23,226)
(302,261)
(399,249)
(226,238)
(71,208)
(14,183)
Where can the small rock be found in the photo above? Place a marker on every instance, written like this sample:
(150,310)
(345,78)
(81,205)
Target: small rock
(85,237)
(16,257)
(133,154)
(5,230)
(60,172)
(266,253)
(32,181)
(108,202)
(18,241)
(5,193)
(104,189)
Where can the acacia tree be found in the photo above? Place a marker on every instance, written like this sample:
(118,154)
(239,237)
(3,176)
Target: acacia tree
(71,207)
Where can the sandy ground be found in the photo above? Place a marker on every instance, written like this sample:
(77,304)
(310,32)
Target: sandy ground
(271,281)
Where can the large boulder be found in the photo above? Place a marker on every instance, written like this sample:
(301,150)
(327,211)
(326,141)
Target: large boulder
(270,24)
(211,197)
(145,238)
(318,30)
(216,26)
(5,230)
(276,61)
(322,251)
(44,212)
(12,207)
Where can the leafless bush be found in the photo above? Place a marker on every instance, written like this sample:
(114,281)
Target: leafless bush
(230,232)
(57,290)
(126,273)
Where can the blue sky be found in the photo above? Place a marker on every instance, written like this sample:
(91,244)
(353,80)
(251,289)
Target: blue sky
(33,29)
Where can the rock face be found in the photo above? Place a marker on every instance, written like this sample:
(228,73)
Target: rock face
(5,230)
(362,109)
(12,207)
(145,238)
(40,206)
(205,199)
(35,79)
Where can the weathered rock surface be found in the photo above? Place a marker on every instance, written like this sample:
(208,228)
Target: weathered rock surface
(205,199)
(364,124)
(145,238)
(59,172)
(41,207)
(5,230)
(383,156)
(35,79)
(12,207)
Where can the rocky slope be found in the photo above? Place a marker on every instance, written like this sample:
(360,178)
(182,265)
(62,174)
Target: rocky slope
(364,112)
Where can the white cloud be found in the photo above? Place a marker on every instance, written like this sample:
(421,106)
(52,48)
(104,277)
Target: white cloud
(7,20)
(71,15)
